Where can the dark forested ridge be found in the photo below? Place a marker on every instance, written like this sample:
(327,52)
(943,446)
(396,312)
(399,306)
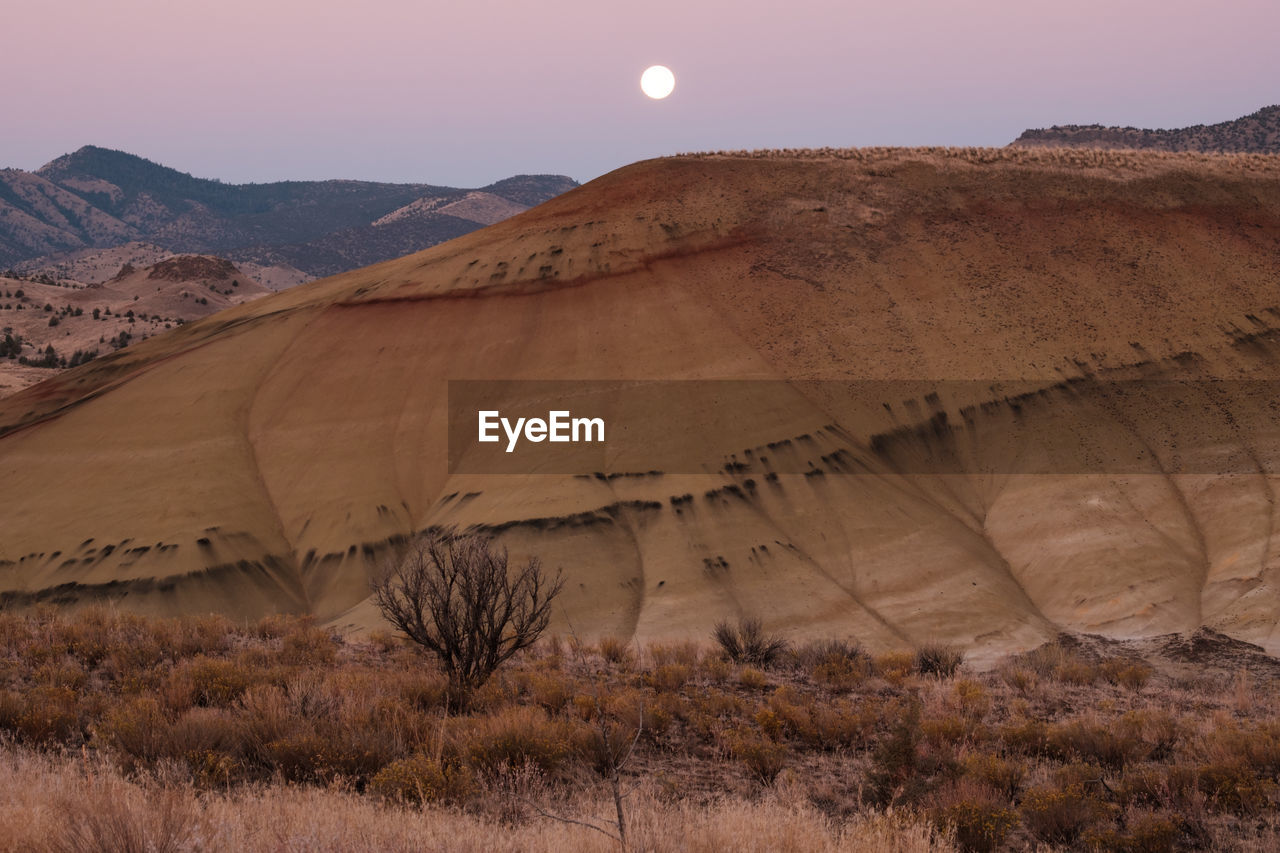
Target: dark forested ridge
(97,197)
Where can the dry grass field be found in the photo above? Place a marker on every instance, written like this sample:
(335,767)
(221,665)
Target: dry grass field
(127,733)
(65,805)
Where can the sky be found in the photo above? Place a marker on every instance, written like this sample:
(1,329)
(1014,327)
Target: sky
(466,92)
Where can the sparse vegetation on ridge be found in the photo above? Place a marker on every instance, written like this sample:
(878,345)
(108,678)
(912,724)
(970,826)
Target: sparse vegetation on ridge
(1057,158)
(202,727)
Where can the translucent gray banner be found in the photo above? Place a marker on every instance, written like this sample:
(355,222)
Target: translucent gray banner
(873,427)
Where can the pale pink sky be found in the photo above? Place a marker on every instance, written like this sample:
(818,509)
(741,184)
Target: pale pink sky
(469,91)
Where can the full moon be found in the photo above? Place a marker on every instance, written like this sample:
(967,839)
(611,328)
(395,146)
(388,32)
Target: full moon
(657,81)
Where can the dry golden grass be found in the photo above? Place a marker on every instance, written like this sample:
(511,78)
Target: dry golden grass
(126,733)
(70,804)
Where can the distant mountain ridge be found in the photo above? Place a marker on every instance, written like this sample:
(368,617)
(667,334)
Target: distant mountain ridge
(1258,133)
(98,197)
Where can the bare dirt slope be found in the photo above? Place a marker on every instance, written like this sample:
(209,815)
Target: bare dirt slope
(271,456)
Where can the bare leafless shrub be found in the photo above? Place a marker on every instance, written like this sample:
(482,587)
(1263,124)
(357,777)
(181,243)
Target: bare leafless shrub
(455,596)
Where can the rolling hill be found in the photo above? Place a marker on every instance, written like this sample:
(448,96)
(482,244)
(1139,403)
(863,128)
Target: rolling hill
(50,324)
(1009,312)
(100,198)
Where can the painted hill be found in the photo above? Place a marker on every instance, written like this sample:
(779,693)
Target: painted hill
(270,457)
(96,197)
(1258,133)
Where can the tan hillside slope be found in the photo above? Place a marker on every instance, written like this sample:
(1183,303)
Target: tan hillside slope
(96,266)
(273,455)
(55,323)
